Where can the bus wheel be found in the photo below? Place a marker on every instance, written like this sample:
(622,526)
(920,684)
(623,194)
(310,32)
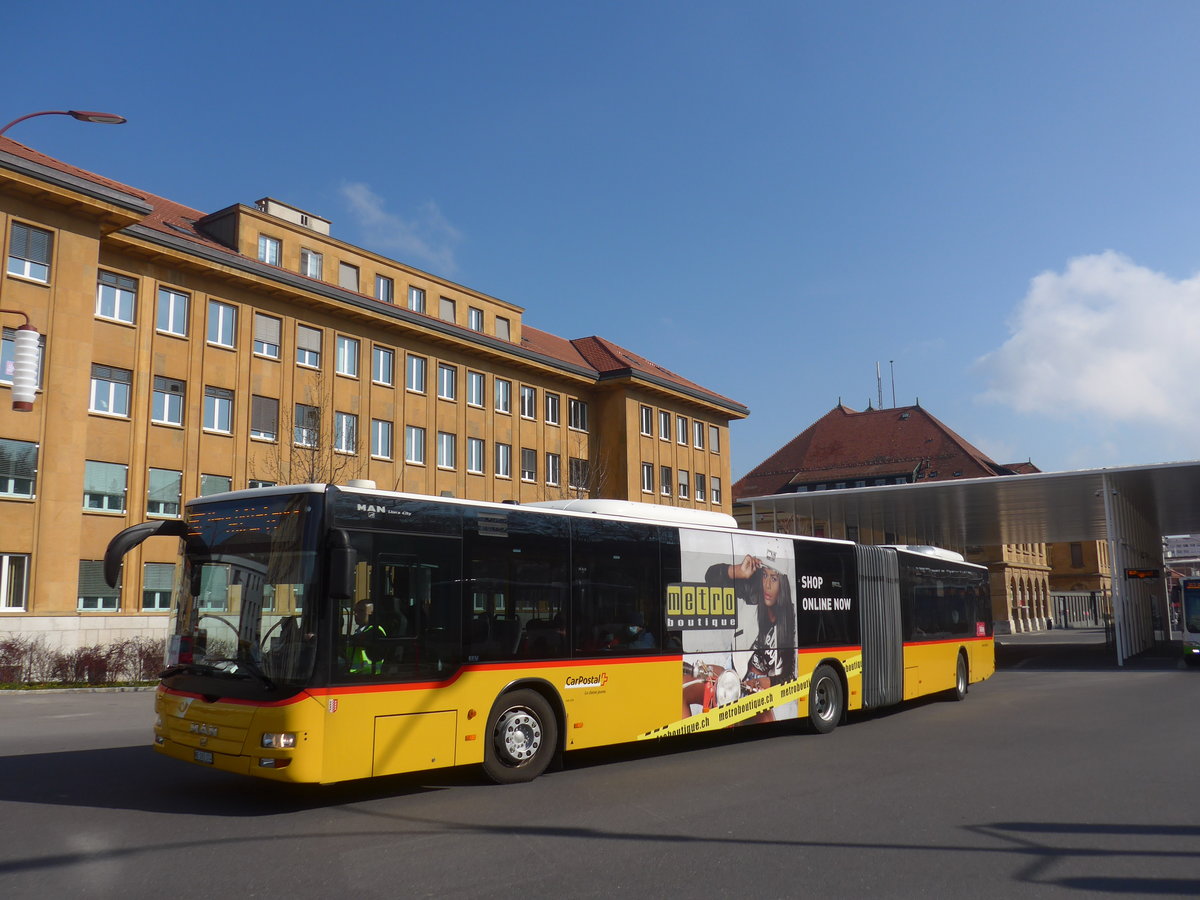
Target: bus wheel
(522,737)
(961,679)
(825,700)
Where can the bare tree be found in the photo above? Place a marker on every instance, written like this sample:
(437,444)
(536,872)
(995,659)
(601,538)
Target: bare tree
(587,476)
(313,446)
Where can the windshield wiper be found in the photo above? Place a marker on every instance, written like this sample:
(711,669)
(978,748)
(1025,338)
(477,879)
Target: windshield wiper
(187,669)
(254,669)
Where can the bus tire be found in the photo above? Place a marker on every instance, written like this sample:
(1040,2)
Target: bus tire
(826,700)
(522,737)
(962,678)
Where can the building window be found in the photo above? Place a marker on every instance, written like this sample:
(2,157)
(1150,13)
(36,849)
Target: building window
(475,386)
(447,309)
(415,379)
(475,455)
(701,489)
(104,486)
(577,414)
(553,468)
(716,496)
(29,252)
(1076,556)
(664,425)
(307,426)
(551,408)
(163,491)
(218,409)
(383,365)
(308,347)
(698,435)
(528,464)
(14,581)
(503,395)
(166,407)
(116,297)
(665,485)
(215,484)
(94,593)
(158,581)
(222,323)
(577,473)
(345,432)
(416,299)
(381,439)
(647,420)
(683,484)
(8,356)
(18,468)
(503,329)
(270,250)
(110,390)
(714,439)
(267,331)
(347,276)
(446,449)
(475,318)
(172,312)
(447,382)
(647,478)
(310,263)
(346,356)
(528,402)
(259,483)
(414,444)
(385,289)
(504,460)
(264,418)
(681,435)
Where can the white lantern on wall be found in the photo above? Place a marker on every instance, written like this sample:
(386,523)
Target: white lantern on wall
(25,368)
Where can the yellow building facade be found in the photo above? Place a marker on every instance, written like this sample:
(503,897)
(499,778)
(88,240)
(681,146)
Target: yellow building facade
(187,353)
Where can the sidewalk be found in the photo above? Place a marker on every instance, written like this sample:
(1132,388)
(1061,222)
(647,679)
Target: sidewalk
(1077,648)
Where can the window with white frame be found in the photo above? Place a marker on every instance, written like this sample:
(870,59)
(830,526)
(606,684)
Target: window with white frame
(647,420)
(166,407)
(218,409)
(716,489)
(664,425)
(307,425)
(347,276)
(259,483)
(681,430)
(577,414)
(381,438)
(94,594)
(647,478)
(104,486)
(447,309)
(553,468)
(267,334)
(270,250)
(14,581)
(29,252)
(697,434)
(684,486)
(383,365)
(475,386)
(163,489)
(414,379)
(345,432)
(172,312)
(414,444)
(264,418)
(385,289)
(665,486)
(528,402)
(158,581)
(578,473)
(503,329)
(346,356)
(308,347)
(116,297)
(552,408)
(416,299)
(222,323)
(528,464)
(215,484)
(701,489)
(504,460)
(311,263)
(18,468)
(475,451)
(714,439)
(447,446)
(475,318)
(110,390)
(8,356)
(503,395)
(447,382)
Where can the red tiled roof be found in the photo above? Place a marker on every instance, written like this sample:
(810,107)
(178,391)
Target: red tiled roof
(609,358)
(876,443)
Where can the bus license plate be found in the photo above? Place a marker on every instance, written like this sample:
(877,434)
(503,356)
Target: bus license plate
(203,756)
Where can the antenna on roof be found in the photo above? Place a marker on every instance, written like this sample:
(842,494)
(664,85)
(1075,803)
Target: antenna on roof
(892,366)
(878,384)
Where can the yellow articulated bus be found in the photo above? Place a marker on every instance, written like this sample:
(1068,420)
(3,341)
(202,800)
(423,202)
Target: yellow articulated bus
(323,633)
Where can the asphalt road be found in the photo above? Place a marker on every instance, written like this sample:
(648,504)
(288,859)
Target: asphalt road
(1043,783)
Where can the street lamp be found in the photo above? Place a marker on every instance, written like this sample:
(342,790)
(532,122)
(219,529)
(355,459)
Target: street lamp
(83,115)
(25,354)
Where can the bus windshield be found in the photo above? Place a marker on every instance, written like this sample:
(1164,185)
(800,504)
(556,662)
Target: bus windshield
(1191,606)
(242,608)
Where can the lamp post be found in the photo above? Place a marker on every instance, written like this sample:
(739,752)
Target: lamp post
(25,347)
(83,115)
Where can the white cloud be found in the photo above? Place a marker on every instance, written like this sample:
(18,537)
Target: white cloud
(1106,341)
(425,239)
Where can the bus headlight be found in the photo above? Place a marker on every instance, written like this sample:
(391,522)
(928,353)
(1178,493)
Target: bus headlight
(282,741)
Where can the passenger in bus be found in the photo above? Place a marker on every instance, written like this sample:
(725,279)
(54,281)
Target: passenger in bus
(365,652)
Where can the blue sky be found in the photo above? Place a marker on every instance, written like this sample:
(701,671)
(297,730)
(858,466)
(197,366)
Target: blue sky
(768,198)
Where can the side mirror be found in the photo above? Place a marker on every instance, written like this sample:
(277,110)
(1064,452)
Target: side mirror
(126,540)
(343,560)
